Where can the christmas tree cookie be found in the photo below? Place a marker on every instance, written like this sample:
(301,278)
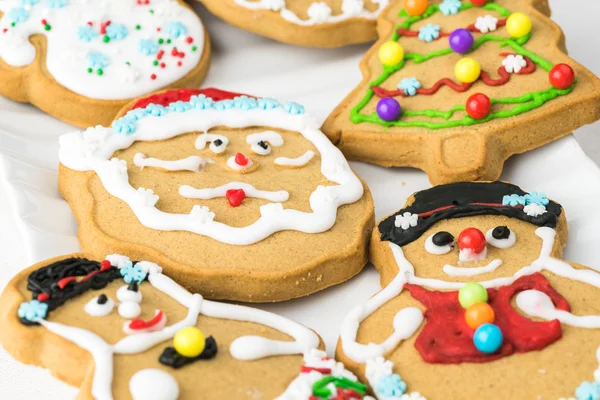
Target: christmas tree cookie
(455,87)
(476,301)
(237,197)
(82,61)
(329,23)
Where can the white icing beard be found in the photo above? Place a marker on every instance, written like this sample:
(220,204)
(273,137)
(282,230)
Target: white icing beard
(67,55)
(91,151)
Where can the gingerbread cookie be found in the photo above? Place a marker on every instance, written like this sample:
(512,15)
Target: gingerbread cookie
(237,197)
(477,302)
(124,330)
(455,87)
(81,61)
(330,23)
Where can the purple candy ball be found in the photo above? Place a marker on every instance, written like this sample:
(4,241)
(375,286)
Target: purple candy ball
(461,41)
(388,109)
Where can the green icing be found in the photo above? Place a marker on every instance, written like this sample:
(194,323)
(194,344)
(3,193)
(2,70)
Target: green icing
(525,103)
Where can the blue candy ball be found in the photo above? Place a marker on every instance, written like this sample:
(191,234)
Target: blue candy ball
(488,338)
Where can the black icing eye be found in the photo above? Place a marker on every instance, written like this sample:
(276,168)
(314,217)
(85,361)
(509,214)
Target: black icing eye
(133,286)
(218,142)
(442,238)
(263,144)
(102,299)
(501,232)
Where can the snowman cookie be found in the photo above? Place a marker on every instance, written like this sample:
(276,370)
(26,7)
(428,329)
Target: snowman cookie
(121,329)
(82,61)
(330,23)
(237,197)
(476,301)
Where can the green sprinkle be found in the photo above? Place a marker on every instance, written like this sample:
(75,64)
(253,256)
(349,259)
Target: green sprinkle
(47,27)
(155,63)
(160,41)
(13,24)
(138,27)
(151,11)
(106,39)
(99,72)
(127,62)
(90,70)
(168,41)
(194,48)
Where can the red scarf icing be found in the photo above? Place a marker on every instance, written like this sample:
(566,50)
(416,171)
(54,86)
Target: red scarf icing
(170,96)
(447,339)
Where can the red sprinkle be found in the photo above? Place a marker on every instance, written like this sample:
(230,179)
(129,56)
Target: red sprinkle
(43,296)
(181,54)
(4,30)
(160,54)
(44,22)
(158,29)
(174,52)
(153,76)
(189,39)
(241,159)
(90,23)
(162,65)
(179,63)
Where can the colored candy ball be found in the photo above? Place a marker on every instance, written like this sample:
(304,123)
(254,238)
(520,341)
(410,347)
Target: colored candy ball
(391,53)
(562,76)
(518,25)
(467,70)
(416,7)
(479,3)
(472,293)
(472,239)
(488,338)
(388,109)
(479,106)
(189,342)
(461,41)
(479,314)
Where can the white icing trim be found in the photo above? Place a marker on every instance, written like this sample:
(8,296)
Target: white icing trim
(125,295)
(272,138)
(95,309)
(220,191)
(299,161)
(129,309)
(501,243)
(92,149)
(318,12)
(537,304)
(211,137)
(191,163)
(153,383)
(472,271)
(468,255)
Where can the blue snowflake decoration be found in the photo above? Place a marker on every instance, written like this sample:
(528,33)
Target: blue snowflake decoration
(536,198)
(293,108)
(98,60)
(131,272)
(156,110)
(176,29)
(29,2)
(33,310)
(588,391)
(148,47)
(450,7)
(410,86)
(18,15)
(137,114)
(513,200)
(223,105)
(201,102)
(268,104)
(391,386)
(245,103)
(124,125)
(180,106)
(116,31)
(86,33)
(429,33)
(56,3)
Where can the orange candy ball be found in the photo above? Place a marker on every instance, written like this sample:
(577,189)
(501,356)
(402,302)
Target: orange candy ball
(479,314)
(416,7)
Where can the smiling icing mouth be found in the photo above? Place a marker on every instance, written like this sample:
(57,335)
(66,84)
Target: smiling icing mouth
(461,271)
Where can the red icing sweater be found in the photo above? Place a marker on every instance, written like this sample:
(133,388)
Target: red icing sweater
(447,339)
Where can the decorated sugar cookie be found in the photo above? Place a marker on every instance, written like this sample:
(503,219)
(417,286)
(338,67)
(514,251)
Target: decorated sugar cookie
(477,302)
(237,197)
(455,87)
(330,23)
(121,329)
(82,61)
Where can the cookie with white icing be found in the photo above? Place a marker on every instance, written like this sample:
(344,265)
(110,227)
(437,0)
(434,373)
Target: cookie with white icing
(59,314)
(477,301)
(314,23)
(82,61)
(237,197)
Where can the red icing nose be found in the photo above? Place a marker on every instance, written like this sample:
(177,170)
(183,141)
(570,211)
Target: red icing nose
(473,239)
(241,159)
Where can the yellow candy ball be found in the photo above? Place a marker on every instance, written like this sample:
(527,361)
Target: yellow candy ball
(518,25)
(467,70)
(189,342)
(391,53)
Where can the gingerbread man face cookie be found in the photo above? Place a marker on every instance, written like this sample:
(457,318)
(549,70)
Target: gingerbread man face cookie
(476,299)
(121,329)
(238,197)
(96,56)
(455,87)
(330,23)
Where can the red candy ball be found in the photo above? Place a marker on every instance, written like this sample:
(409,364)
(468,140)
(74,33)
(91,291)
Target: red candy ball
(479,106)
(562,76)
(471,238)
(479,3)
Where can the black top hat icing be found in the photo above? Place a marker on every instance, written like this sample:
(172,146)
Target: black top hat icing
(467,199)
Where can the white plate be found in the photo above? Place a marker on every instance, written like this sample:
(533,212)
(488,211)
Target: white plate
(36,223)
